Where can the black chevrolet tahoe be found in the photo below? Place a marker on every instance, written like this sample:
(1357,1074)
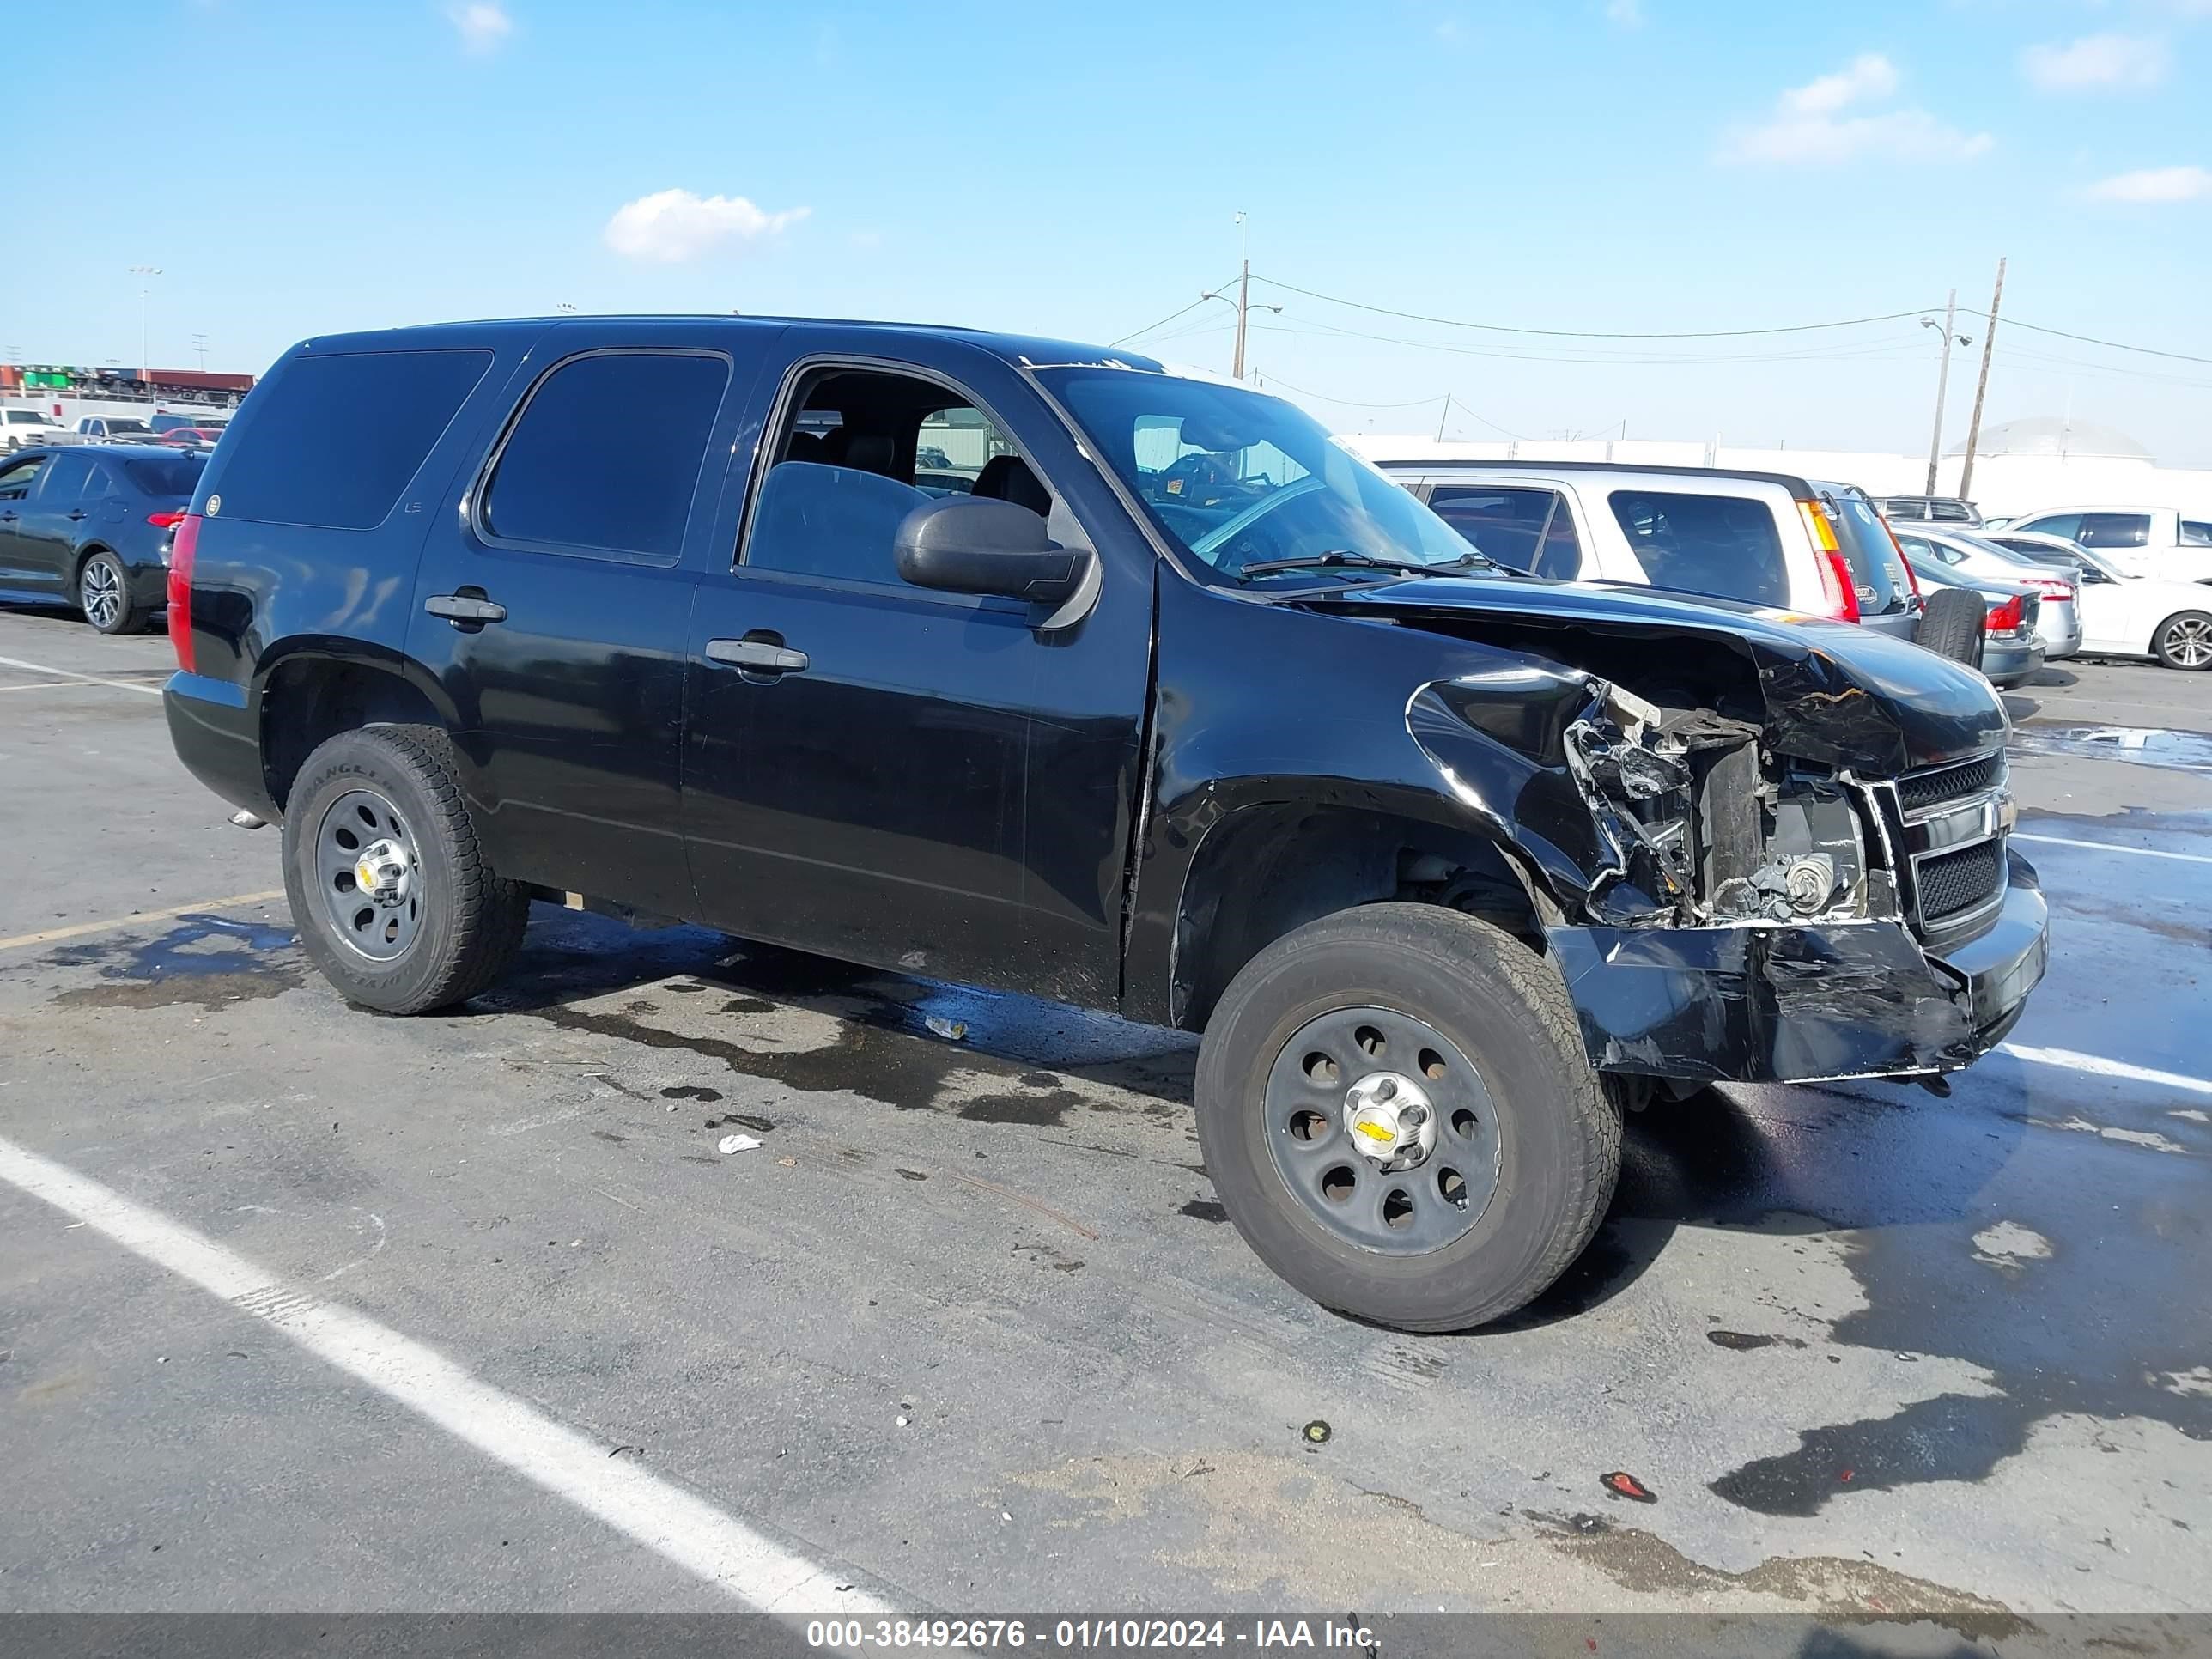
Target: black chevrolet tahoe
(1141,694)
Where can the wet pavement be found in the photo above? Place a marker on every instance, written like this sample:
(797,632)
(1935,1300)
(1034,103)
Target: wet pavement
(970,1320)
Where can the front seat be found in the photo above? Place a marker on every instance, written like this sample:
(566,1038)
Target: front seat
(1008,478)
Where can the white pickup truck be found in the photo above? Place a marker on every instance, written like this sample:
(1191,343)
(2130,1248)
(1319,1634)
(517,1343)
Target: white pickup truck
(27,426)
(2162,542)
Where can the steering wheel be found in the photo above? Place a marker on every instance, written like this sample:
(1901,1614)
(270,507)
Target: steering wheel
(1206,545)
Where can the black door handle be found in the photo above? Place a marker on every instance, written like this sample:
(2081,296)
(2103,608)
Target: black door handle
(76,514)
(768,656)
(7,518)
(465,609)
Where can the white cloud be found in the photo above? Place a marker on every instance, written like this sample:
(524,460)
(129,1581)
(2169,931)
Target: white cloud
(485,24)
(1869,75)
(1810,126)
(1625,13)
(671,226)
(2095,61)
(2183,184)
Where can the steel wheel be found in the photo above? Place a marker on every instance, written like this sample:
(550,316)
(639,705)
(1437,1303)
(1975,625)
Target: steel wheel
(2185,642)
(100,594)
(369,873)
(1382,1130)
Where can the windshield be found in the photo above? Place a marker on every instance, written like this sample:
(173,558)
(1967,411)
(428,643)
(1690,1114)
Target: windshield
(178,476)
(25,417)
(1236,478)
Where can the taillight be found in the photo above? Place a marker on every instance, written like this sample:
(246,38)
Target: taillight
(165,521)
(1836,590)
(2004,618)
(182,547)
(1837,593)
(2059,592)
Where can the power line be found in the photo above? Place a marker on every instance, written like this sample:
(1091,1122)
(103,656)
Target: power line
(1163,321)
(1592,334)
(2091,339)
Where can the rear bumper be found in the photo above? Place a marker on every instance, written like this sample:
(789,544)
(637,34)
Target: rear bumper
(2006,664)
(1782,1004)
(216,736)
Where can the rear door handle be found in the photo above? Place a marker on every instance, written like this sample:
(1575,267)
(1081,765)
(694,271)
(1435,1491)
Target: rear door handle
(757,656)
(7,518)
(463,609)
(76,514)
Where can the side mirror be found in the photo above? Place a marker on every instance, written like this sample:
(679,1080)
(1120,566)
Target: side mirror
(978,544)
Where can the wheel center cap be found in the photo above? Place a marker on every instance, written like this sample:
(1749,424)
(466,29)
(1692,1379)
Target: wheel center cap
(1390,1121)
(381,872)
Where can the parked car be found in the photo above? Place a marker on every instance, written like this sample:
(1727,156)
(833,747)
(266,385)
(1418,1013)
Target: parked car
(2125,615)
(191,437)
(2011,649)
(27,426)
(197,419)
(2060,626)
(2143,541)
(114,429)
(1182,711)
(1766,538)
(1929,509)
(92,526)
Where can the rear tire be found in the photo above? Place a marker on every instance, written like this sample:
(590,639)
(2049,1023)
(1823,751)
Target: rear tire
(1535,1161)
(2183,640)
(439,924)
(103,594)
(1952,623)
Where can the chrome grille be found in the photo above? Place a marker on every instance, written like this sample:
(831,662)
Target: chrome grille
(1919,791)
(1954,883)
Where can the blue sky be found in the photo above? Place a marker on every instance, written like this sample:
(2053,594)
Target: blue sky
(1631,164)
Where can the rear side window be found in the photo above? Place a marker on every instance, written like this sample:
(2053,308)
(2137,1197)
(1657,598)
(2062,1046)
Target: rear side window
(2195,532)
(335,440)
(1530,530)
(2114,530)
(2068,524)
(1725,545)
(569,475)
(67,477)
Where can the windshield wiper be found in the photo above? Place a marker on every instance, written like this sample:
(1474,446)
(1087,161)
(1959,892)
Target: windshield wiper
(1340,557)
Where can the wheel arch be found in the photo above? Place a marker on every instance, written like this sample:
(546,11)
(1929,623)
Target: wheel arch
(308,689)
(1268,867)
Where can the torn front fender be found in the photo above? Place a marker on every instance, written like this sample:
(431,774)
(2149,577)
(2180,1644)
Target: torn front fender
(1795,1003)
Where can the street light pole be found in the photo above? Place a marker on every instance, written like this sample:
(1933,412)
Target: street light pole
(1943,381)
(145,274)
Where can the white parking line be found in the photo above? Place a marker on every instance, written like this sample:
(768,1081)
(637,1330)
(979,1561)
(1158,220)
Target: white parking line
(2098,1066)
(84,679)
(676,1525)
(2109,847)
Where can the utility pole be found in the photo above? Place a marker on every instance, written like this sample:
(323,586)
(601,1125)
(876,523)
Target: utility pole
(1942,380)
(1981,388)
(1444,415)
(145,274)
(200,346)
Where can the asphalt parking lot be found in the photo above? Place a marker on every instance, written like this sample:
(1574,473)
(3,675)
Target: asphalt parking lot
(469,1312)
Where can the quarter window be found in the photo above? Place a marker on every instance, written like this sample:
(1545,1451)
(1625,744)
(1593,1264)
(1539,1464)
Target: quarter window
(862,448)
(2195,532)
(605,455)
(1530,530)
(1724,545)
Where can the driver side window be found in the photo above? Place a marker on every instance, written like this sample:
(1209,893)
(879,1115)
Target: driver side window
(857,451)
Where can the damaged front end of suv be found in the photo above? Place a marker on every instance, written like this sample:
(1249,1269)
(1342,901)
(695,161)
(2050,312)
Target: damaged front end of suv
(1757,854)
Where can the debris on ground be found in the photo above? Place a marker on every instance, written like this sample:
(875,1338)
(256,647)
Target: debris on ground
(1621,1484)
(729,1143)
(951,1030)
(1317,1432)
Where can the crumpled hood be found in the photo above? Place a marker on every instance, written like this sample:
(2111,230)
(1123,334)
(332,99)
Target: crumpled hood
(1837,694)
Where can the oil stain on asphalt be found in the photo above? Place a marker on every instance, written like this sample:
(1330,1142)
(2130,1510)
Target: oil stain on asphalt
(205,960)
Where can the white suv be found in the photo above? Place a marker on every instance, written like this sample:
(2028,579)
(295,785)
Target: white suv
(1768,538)
(2142,541)
(27,426)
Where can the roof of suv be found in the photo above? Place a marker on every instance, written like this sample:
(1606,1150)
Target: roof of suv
(1037,350)
(1788,481)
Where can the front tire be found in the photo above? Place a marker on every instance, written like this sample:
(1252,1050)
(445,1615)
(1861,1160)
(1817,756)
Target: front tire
(103,594)
(1327,1044)
(395,901)
(2183,640)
